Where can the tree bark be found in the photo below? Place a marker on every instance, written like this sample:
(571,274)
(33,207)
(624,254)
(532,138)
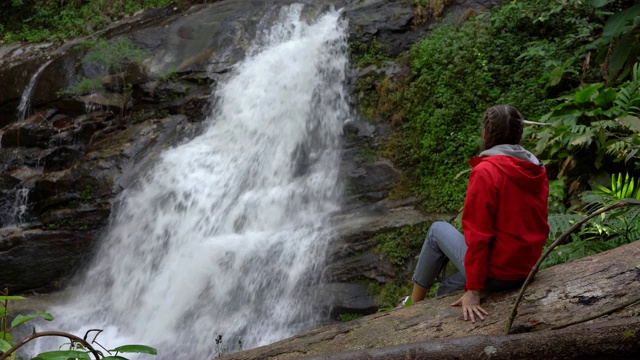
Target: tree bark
(614,339)
(560,295)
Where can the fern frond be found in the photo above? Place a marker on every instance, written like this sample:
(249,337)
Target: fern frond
(559,223)
(616,147)
(607,124)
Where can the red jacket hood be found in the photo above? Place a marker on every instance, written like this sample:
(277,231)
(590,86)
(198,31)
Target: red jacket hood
(525,174)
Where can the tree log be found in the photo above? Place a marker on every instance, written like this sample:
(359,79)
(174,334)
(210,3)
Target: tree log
(616,339)
(560,295)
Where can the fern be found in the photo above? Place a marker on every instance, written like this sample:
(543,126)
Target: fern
(559,223)
(622,187)
(616,147)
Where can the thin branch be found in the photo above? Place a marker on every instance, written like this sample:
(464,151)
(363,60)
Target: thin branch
(33,336)
(606,312)
(529,122)
(534,271)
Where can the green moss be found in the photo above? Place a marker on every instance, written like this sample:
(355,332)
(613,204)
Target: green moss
(349,317)
(87,193)
(367,95)
(370,53)
(388,295)
(401,244)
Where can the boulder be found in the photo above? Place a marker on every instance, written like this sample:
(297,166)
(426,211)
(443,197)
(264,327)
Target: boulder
(58,252)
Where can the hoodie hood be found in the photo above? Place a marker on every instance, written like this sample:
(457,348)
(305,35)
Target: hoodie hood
(518,164)
(515,151)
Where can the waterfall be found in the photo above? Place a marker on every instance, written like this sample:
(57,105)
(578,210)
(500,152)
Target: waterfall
(12,213)
(23,107)
(226,235)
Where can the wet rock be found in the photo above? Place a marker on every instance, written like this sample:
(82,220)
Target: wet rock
(342,298)
(59,158)
(366,266)
(39,259)
(389,22)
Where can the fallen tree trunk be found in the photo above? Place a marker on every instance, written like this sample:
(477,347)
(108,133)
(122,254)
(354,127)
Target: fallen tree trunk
(614,339)
(560,295)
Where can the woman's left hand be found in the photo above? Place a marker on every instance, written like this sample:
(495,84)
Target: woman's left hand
(470,302)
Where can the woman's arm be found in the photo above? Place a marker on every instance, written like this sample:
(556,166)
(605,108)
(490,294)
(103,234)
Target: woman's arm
(478,222)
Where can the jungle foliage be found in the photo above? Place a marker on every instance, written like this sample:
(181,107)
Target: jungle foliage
(58,20)
(570,66)
(559,62)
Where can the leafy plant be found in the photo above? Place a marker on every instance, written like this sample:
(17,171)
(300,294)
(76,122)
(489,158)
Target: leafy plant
(401,244)
(597,127)
(114,58)
(607,231)
(46,20)
(621,188)
(79,348)
(371,53)
(618,44)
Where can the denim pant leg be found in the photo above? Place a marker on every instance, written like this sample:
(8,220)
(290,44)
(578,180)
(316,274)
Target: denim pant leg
(442,241)
(453,283)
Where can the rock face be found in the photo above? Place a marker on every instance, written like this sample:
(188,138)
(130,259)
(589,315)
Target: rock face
(65,159)
(559,295)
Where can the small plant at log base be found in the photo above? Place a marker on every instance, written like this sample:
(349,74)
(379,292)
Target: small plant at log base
(79,348)
(628,335)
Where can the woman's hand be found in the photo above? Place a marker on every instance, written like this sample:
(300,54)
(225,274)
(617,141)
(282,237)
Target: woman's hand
(470,302)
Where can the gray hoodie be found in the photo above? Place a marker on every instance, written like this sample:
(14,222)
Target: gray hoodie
(515,151)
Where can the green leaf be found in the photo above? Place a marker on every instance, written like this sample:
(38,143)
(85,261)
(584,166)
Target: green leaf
(600,3)
(605,98)
(21,319)
(631,154)
(11,298)
(64,355)
(620,54)
(409,302)
(135,349)
(2,311)
(6,336)
(4,346)
(619,21)
(582,140)
(585,95)
(632,122)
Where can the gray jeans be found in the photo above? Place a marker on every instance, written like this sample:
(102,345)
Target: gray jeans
(443,241)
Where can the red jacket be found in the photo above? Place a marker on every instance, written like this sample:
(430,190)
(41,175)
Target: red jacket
(504,219)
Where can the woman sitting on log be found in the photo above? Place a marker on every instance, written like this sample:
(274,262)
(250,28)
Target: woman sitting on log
(504,220)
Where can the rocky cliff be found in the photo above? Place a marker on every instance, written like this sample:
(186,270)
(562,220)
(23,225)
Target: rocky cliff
(67,157)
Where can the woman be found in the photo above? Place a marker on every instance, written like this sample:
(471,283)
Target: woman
(504,220)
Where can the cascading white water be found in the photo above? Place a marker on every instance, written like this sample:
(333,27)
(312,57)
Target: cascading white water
(20,205)
(228,232)
(25,100)
(12,212)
